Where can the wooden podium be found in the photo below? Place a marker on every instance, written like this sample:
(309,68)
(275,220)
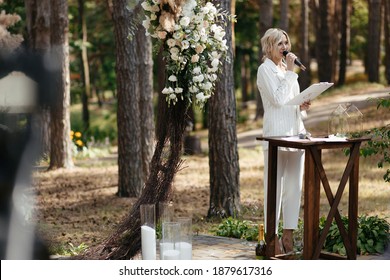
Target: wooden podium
(314,174)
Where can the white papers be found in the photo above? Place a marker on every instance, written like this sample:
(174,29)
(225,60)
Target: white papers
(315,139)
(310,93)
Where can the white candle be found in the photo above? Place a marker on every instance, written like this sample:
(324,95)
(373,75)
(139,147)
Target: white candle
(165,246)
(171,255)
(148,240)
(185,251)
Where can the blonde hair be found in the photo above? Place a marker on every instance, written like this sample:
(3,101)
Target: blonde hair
(271,38)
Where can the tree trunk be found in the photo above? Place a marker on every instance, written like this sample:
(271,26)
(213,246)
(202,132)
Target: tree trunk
(265,22)
(86,93)
(304,76)
(129,116)
(223,153)
(284,15)
(334,38)
(60,148)
(323,47)
(245,78)
(145,68)
(345,39)
(387,40)
(374,40)
(38,28)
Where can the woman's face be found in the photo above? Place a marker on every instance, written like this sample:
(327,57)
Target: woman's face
(279,48)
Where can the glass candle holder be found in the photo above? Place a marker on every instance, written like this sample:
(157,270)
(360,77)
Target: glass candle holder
(185,238)
(170,243)
(148,231)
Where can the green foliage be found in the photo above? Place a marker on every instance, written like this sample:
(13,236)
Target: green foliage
(380,142)
(231,227)
(72,250)
(373,235)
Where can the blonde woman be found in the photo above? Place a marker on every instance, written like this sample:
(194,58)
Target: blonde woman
(278,83)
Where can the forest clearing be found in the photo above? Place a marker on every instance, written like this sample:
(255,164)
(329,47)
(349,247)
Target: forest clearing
(79,207)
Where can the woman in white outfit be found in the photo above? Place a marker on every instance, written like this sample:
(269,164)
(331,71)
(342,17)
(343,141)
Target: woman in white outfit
(278,83)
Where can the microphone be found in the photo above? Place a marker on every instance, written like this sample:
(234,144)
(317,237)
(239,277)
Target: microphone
(296,61)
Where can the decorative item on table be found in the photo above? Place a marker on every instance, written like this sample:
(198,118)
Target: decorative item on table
(338,122)
(344,121)
(355,119)
(148,231)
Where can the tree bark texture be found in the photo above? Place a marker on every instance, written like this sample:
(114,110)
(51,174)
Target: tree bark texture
(345,39)
(223,153)
(39,32)
(86,94)
(145,66)
(374,40)
(304,76)
(265,22)
(60,147)
(128,114)
(284,14)
(387,40)
(323,47)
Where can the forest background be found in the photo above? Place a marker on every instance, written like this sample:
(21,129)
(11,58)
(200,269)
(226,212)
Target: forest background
(330,36)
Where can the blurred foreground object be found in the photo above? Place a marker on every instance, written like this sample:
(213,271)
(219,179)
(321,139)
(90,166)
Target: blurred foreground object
(26,84)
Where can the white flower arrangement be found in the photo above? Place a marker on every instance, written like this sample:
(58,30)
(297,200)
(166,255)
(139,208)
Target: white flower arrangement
(193,43)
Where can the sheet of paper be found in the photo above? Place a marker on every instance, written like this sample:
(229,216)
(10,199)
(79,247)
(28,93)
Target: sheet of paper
(310,93)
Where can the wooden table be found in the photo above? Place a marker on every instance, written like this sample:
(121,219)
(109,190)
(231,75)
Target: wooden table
(314,173)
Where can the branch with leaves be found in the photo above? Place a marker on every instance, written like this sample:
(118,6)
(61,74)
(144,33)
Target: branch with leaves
(380,142)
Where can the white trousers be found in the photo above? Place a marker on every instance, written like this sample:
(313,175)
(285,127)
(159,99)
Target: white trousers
(289,187)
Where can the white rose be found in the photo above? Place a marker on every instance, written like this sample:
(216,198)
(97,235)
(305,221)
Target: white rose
(215,62)
(196,70)
(207,86)
(171,42)
(193,89)
(175,57)
(215,54)
(213,77)
(201,97)
(196,37)
(185,44)
(146,6)
(167,90)
(146,23)
(198,79)
(177,35)
(172,78)
(173,97)
(185,21)
(174,51)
